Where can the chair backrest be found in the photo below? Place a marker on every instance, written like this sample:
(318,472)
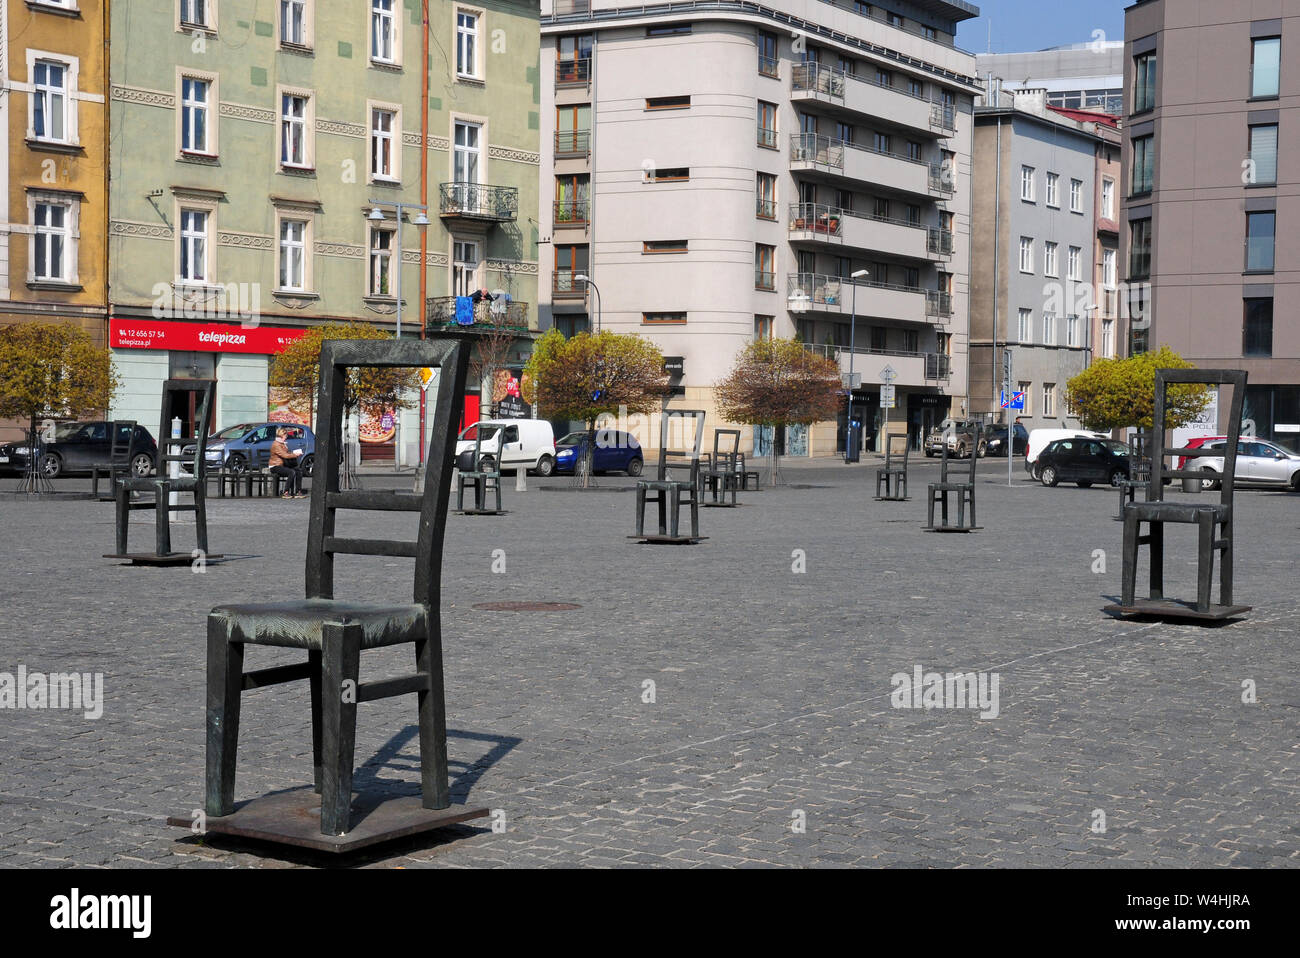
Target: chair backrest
(970,467)
(172,450)
(122,445)
(1236,378)
(684,457)
(896,447)
(450,354)
(726,447)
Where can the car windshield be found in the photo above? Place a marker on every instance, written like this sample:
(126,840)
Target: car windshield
(488,431)
(572,439)
(1117,447)
(231,432)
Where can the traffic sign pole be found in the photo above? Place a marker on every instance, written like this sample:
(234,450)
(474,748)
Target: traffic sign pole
(1011,432)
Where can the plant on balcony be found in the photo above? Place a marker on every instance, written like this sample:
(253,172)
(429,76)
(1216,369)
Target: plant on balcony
(779,383)
(1116,393)
(589,375)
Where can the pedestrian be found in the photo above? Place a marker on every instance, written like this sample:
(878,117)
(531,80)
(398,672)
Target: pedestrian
(284,462)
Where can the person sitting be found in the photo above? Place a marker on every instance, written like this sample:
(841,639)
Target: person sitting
(281,456)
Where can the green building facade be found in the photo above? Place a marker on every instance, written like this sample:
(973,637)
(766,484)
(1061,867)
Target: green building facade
(255,165)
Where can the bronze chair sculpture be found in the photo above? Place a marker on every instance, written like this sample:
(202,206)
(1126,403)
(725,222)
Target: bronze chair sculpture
(892,476)
(671,494)
(121,453)
(483,476)
(1139,475)
(964,491)
(724,473)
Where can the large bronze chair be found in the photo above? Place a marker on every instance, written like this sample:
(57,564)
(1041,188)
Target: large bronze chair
(723,474)
(669,493)
(335,631)
(121,455)
(962,488)
(891,478)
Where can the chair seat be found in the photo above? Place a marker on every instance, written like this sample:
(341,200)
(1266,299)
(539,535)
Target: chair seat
(1161,511)
(951,486)
(149,483)
(298,623)
(665,483)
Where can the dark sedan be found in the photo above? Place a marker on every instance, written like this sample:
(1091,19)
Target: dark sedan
(78,447)
(995,440)
(1083,461)
(614,450)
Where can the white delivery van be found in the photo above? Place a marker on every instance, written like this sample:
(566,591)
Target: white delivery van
(512,444)
(1039,438)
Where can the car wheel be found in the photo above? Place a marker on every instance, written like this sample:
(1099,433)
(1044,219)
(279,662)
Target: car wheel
(1048,476)
(961,452)
(142,464)
(237,465)
(636,465)
(1295,482)
(545,466)
(1118,476)
(929,454)
(983,449)
(1084,483)
(1211,481)
(307,463)
(1036,472)
(51,465)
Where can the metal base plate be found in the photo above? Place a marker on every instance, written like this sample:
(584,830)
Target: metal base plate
(293,818)
(1175,609)
(892,498)
(950,528)
(669,540)
(171,558)
(721,505)
(482,512)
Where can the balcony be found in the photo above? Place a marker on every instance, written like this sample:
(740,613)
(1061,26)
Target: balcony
(868,97)
(571,214)
(833,294)
(474,202)
(938,242)
(912,368)
(768,139)
(938,305)
(769,66)
(566,286)
(863,231)
(573,72)
(812,152)
(440,312)
(572,143)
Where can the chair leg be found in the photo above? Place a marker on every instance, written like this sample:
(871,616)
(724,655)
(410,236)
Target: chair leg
(695,516)
(460,493)
(661,500)
(201,519)
(1204,559)
(162,519)
(1128,577)
(314,681)
(675,509)
(225,683)
(973,523)
(640,510)
(929,509)
(1225,564)
(1157,560)
(340,668)
(433,724)
(123,517)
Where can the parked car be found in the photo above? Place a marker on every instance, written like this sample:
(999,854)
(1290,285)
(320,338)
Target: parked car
(995,440)
(963,436)
(514,443)
(248,446)
(1197,443)
(614,451)
(78,446)
(1084,460)
(1258,461)
(1039,439)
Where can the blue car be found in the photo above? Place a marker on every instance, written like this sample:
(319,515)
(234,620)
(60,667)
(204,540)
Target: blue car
(248,446)
(614,452)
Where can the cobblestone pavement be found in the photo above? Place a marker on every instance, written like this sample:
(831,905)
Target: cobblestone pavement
(772,687)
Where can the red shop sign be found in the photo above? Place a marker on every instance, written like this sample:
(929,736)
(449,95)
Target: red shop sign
(199,337)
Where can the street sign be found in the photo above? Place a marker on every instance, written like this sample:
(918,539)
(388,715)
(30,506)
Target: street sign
(888,374)
(1012,400)
(854,383)
(887,397)
(426,377)
(1006,365)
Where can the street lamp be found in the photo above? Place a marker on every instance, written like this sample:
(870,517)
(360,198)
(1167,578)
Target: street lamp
(421,220)
(584,278)
(853,326)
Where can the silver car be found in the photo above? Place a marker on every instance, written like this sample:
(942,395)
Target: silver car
(1258,461)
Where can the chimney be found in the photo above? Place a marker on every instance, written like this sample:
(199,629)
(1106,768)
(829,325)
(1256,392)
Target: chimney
(1033,100)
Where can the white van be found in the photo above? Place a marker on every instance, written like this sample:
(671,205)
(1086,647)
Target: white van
(514,443)
(1039,438)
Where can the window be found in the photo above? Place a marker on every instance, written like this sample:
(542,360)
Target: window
(1051,198)
(1109,275)
(1072,331)
(1027,183)
(1024,327)
(295,130)
(1265,66)
(1028,389)
(844,131)
(765,198)
(52,255)
(572,193)
(664,246)
(667,102)
(573,59)
(1049,259)
(1108,339)
(663,319)
(894,20)
(50,101)
(884,77)
(847,65)
(1144,82)
(293,255)
(930,33)
(293,23)
(763,327)
(1049,329)
(464,268)
(196,13)
(1026,254)
(1144,161)
(1260,229)
(1049,400)
(767,136)
(916,87)
(768,65)
(668,30)
(844,200)
(1257,328)
(383,156)
(1263,154)
(914,151)
(1076,196)
(1108,199)
(1139,248)
(670,174)
(383,31)
(572,129)
(465,159)
(1074,264)
(882,143)
(195,115)
(880,208)
(467,44)
(194,246)
(381,255)
(764,267)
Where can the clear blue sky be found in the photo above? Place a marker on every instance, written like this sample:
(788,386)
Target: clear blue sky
(1023,25)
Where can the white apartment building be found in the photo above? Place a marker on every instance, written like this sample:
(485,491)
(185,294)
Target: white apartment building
(721,170)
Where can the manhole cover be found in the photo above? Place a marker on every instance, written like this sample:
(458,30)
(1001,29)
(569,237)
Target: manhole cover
(526,606)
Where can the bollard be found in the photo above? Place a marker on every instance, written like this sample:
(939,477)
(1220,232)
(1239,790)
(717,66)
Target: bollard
(521,479)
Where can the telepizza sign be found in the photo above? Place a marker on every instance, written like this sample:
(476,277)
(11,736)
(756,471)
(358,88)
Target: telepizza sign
(200,337)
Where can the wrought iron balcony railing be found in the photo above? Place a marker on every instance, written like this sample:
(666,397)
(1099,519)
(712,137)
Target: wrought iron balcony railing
(498,204)
(440,311)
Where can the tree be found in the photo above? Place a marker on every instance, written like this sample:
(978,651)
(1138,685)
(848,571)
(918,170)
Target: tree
(492,348)
(53,370)
(1115,393)
(779,383)
(588,375)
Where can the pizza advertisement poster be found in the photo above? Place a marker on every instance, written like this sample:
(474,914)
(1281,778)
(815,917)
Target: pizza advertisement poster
(281,408)
(378,428)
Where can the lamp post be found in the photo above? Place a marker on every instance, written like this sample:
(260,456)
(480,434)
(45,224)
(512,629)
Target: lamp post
(421,220)
(853,328)
(584,278)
